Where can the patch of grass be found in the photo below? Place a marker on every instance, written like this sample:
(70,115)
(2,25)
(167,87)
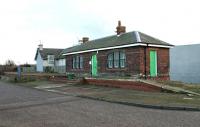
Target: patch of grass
(186,86)
(25,81)
(131,96)
(34,83)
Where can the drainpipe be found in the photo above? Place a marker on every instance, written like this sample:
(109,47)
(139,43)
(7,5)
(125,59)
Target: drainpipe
(145,60)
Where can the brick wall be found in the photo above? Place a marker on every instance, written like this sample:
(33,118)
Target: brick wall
(135,64)
(162,62)
(86,65)
(136,85)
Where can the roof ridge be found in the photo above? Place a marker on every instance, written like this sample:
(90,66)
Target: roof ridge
(53,48)
(110,36)
(100,39)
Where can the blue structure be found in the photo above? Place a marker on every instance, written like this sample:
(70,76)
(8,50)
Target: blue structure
(18,72)
(185,63)
(39,63)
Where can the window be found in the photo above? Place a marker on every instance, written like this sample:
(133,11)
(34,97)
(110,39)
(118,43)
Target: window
(110,60)
(77,62)
(81,62)
(116,60)
(122,59)
(50,59)
(61,62)
(73,62)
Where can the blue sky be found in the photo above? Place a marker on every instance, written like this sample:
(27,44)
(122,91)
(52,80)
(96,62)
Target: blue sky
(61,23)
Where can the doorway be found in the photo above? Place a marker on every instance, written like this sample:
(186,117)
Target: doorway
(94,65)
(153,63)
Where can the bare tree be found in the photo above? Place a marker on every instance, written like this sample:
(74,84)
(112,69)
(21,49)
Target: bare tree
(10,63)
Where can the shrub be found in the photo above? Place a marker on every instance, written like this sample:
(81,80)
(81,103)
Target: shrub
(49,70)
(70,76)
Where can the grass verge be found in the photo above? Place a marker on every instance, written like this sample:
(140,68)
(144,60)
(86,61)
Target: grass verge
(186,86)
(25,81)
(132,96)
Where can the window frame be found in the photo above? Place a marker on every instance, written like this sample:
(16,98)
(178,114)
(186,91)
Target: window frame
(81,62)
(110,60)
(115,59)
(77,62)
(74,62)
(51,59)
(122,59)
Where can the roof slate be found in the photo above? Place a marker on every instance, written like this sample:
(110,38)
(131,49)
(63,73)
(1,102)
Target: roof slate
(49,51)
(115,40)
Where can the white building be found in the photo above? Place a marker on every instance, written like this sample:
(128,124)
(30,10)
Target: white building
(49,60)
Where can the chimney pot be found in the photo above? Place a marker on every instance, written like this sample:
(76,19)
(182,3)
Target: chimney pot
(120,29)
(119,23)
(85,39)
(40,46)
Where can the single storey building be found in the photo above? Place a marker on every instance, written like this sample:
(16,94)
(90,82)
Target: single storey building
(124,54)
(49,60)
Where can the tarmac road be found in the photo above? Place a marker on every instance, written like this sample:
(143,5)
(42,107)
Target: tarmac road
(27,107)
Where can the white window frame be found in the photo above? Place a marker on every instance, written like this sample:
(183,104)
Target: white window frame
(122,57)
(81,62)
(50,59)
(116,59)
(110,60)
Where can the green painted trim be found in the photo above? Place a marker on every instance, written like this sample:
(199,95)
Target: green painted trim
(94,65)
(153,63)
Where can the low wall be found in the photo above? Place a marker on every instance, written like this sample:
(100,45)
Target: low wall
(40,76)
(127,84)
(119,83)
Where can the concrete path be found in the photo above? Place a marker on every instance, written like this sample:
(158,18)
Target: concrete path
(79,112)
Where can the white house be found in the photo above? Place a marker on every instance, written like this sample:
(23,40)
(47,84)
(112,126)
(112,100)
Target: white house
(49,60)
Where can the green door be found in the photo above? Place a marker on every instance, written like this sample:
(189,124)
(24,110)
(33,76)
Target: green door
(153,63)
(94,65)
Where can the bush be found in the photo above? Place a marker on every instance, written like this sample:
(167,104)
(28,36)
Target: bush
(49,70)
(70,76)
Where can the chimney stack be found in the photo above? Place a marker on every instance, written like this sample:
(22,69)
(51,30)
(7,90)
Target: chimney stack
(40,46)
(85,39)
(120,29)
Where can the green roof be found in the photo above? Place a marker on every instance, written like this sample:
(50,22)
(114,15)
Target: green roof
(115,40)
